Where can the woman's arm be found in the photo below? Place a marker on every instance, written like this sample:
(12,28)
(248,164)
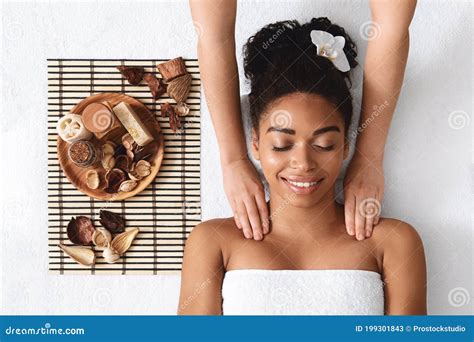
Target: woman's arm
(404,270)
(220,78)
(202,273)
(384,69)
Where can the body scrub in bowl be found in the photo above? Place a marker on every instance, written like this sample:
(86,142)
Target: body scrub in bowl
(83,153)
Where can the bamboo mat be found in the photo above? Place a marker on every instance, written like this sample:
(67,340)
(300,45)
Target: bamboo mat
(166,211)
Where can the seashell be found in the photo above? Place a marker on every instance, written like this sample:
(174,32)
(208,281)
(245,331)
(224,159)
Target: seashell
(108,161)
(134,75)
(110,256)
(179,88)
(114,178)
(181,109)
(92,179)
(108,148)
(142,168)
(102,237)
(83,255)
(122,242)
(80,230)
(128,185)
(172,68)
(113,222)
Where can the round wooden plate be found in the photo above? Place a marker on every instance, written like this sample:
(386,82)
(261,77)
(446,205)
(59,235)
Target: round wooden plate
(77,175)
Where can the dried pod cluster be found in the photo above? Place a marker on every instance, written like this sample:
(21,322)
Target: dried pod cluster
(125,165)
(81,231)
(178,85)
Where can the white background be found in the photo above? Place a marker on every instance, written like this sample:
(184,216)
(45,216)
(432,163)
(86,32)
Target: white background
(428,155)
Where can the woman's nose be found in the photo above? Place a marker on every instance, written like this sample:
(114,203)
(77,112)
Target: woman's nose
(302,158)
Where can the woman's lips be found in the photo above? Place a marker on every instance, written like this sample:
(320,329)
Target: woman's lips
(302,190)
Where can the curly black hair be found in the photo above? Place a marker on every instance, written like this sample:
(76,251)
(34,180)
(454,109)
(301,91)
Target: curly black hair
(281,59)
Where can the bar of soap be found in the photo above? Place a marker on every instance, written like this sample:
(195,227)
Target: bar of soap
(133,124)
(100,119)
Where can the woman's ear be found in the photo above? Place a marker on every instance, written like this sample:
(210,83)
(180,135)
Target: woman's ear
(255,145)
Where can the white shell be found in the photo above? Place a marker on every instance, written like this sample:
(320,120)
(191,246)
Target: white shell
(110,256)
(102,237)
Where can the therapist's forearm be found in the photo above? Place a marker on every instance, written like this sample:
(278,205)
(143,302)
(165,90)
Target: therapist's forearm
(384,70)
(219,74)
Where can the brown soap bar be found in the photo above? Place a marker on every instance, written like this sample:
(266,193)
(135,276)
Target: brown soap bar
(100,119)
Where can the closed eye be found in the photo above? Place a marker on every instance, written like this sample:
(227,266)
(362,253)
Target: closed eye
(325,148)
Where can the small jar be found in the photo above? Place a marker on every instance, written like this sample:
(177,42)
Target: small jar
(83,153)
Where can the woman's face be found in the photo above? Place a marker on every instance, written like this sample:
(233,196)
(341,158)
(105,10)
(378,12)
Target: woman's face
(301,147)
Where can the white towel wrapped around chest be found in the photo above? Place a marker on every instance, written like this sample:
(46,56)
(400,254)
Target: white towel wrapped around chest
(302,292)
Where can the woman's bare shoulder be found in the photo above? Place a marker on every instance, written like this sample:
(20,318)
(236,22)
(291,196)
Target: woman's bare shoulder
(216,231)
(393,234)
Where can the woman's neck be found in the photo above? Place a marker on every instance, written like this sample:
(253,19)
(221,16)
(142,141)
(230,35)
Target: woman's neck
(317,221)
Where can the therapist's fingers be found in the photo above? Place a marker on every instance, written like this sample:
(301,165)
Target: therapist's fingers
(369,225)
(359,220)
(349,213)
(254,217)
(243,219)
(263,211)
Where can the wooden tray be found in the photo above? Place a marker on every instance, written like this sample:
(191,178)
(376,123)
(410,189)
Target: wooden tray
(77,175)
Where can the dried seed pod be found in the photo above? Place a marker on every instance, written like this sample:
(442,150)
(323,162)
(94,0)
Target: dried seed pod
(179,87)
(92,179)
(128,185)
(113,179)
(80,230)
(102,237)
(166,109)
(172,68)
(83,255)
(122,242)
(130,154)
(110,256)
(123,163)
(147,151)
(108,161)
(142,168)
(156,85)
(134,176)
(111,221)
(181,109)
(134,75)
(108,148)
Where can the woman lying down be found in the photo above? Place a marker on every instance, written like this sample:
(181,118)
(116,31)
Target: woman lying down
(301,108)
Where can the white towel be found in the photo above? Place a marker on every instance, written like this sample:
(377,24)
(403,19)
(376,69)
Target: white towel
(302,292)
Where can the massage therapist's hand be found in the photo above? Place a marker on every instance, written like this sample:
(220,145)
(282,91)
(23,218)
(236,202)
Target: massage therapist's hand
(363,192)
(246,195)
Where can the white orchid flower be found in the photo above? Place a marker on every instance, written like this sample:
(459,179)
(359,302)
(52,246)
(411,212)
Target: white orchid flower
(332,48)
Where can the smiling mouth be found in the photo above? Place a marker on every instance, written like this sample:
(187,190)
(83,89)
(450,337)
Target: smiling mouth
(302,187)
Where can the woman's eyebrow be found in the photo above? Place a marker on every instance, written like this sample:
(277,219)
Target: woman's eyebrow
(292,131)
(326,129)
